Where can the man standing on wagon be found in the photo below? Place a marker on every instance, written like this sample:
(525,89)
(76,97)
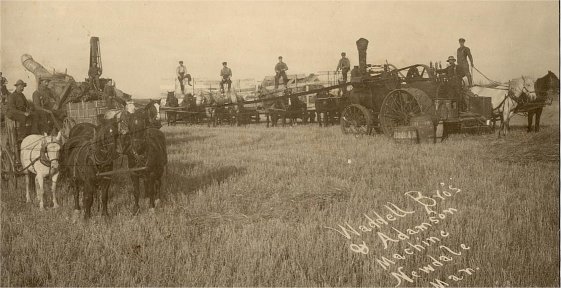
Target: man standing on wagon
(182,75)
(20,110)
(226,74)
(463,54)
(280,70)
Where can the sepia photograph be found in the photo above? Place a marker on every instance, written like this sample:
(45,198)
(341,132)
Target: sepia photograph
(279,143)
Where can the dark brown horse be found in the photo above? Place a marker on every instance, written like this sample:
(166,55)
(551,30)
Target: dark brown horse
(546,87)
(145,148)
(90,150)
(328,108)
(152,112)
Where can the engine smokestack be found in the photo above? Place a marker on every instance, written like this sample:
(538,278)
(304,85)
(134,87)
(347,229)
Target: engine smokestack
(32,66)
(362,45)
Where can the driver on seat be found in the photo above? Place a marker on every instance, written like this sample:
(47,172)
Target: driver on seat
(454,82)
(21,112)
(44,101)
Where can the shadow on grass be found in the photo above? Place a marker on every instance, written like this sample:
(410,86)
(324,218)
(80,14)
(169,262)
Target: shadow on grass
(185,139)
(178,183)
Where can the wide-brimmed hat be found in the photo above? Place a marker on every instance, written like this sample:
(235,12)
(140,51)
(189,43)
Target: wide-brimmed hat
(280,57)
(343,54)
(20,82)
(224,63)
(180,62)
(451,58)
(462,40)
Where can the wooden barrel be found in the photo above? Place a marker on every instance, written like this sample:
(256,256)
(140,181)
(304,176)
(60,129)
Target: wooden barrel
(426,132)
(446,109)
(405,135)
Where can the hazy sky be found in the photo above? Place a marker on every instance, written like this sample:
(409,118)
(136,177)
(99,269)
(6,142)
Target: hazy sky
(141,42)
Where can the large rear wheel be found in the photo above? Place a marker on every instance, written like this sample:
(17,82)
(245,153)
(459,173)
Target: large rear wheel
(401,105)
(356,119)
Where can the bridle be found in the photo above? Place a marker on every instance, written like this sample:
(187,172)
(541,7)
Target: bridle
(524,89)
(44,155)
(104,152)
(136,138)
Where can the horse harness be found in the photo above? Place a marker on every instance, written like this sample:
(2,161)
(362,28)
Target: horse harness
(43,157)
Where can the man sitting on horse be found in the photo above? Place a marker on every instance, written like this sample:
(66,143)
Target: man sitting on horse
(45,103)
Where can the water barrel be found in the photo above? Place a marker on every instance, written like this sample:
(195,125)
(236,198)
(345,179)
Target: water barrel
(446,109)
(405,135)
(425,128)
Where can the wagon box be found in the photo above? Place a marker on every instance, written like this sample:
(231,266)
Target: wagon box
(86,111)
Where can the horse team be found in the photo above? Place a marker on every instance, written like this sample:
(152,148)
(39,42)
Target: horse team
(521,95)
(89,155)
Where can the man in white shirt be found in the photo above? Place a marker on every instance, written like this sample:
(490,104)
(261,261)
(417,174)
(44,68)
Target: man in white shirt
(182,75)
(226,74)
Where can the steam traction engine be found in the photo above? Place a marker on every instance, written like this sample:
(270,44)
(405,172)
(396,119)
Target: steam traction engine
(384,98)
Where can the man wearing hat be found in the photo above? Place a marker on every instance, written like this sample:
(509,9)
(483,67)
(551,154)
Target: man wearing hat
(463,54)
(280,70)
(44,100)
(344,65)
(20,110)
(452,70)
(182,75)
(226,73)
(454,81)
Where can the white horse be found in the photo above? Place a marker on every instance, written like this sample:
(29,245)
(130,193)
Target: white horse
(40,156)
(505,98)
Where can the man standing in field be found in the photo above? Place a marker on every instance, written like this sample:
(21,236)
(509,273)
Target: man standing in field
(280,70)
(182,75)
(463,54)
(226,74)
(344,65)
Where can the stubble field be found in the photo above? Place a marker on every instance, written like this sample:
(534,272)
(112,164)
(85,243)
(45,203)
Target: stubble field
(256,206)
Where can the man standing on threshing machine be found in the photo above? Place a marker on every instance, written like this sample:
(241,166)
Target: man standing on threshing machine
(280,70)
(182,75)
(463,54)
(344,65)
(45,102)
(21,111)
(226,74)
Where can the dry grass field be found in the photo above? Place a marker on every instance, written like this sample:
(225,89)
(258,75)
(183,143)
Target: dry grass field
(256,206)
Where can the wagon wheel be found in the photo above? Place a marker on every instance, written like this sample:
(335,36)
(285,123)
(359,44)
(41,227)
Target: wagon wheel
(402,104)
(8,177)
(356,119)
